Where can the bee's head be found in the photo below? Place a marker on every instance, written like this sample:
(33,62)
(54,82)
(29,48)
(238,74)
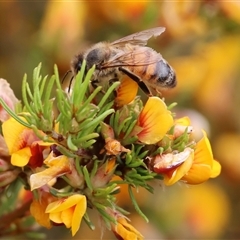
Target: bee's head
(97,55)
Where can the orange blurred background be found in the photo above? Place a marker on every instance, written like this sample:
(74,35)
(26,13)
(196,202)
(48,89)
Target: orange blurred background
(202,43)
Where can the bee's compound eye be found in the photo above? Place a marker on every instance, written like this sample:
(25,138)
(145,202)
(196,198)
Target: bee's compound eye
(93,57)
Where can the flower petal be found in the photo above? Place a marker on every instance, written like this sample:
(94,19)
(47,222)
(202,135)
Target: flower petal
(184,121)
(155,120)
(126,231)
(197,174)
(21,157)
(201,169)
(66,216)
(12,131)
(216,169)
(166,162)
(57,167)
(177,174)
(79,212)
(55,217)
(63,204)
(126,92)
(37,210)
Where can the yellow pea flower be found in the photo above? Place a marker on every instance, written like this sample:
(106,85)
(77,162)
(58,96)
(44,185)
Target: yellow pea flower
(68,211)
(154,121)
(23,144)
(124,230)
(198,166)
(204,166)
(57,166)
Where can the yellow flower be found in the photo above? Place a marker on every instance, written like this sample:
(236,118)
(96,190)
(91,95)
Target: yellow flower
(124,230)
(154,121)
(68,211)
(57,166)
(126,92)
(204,166)
(23,144)
(197,167)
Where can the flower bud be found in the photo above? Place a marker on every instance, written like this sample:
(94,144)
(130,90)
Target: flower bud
(114,147)
(179,130)
(106,131)
(104,174)
(76,179)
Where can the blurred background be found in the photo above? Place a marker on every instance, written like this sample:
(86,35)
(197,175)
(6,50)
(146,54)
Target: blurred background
(201,42)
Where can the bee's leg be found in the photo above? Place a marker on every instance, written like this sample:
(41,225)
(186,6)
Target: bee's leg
(140,83)
(94,84)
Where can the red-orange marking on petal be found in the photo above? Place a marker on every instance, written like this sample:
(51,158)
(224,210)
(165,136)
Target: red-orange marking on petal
(155,120)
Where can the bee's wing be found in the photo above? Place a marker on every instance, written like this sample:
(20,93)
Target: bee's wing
(140,38)
(140,56)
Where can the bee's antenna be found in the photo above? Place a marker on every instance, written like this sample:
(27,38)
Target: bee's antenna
(65,75)
(70,83)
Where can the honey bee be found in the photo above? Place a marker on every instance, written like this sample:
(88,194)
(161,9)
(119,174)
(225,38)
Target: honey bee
(129,56)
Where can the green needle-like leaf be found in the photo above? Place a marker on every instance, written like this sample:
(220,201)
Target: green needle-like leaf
(87,178)
(135,204)
(109,91)
(12,114)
